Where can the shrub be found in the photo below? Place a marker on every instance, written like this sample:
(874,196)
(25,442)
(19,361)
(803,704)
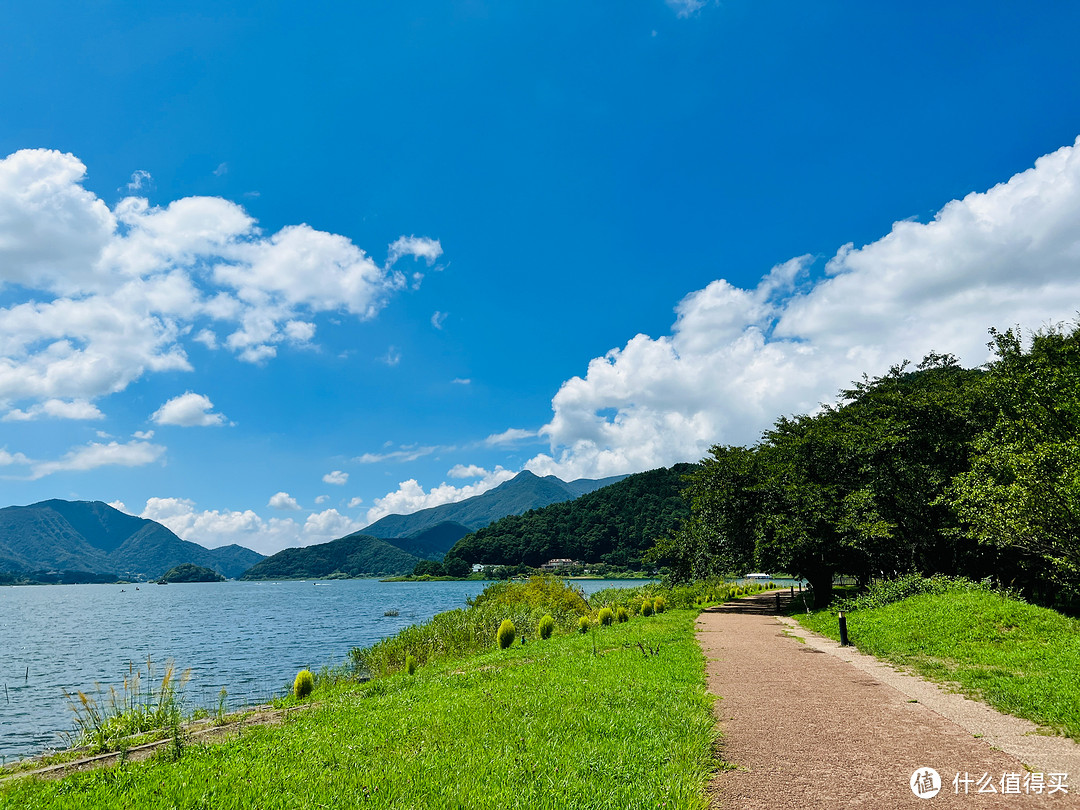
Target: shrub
(647,608)
(659,604)
(621,614)
(506,634)
(410,664)
(304,683)
(605,616)
(546,626)
(583,624)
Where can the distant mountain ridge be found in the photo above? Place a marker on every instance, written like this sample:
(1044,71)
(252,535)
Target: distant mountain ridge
(396,543)
(93,537)
(521,493)
(355,555)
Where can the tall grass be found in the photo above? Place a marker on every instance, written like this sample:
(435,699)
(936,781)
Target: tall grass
(460,632)
(103,719)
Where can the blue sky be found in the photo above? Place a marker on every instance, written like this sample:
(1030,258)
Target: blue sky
(269,273)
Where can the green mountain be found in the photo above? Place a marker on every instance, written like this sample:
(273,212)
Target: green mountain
(90,537)
(356,555)
(433,543)
(521,493)
(614,525)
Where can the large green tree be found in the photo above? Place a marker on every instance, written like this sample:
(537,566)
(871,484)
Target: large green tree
(909,433)
(809,470)
(856,488)
(1022,495)
(725,501)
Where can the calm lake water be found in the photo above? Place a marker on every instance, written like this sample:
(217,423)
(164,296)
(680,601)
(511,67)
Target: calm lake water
(249,637)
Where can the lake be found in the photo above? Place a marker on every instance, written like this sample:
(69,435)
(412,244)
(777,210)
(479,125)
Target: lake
(250,638)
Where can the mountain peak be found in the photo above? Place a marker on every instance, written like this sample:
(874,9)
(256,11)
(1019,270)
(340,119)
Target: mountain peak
(523,492)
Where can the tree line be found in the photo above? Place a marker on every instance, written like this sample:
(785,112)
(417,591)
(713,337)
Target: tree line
(935,469)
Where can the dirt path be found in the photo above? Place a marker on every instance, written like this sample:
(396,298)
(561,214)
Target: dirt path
(806,727)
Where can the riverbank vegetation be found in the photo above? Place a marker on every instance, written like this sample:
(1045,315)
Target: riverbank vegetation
(994,647)
(934,470)
(458,633)
(616,717)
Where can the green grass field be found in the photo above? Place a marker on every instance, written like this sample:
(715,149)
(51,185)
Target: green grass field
(1021,659)
(587,720)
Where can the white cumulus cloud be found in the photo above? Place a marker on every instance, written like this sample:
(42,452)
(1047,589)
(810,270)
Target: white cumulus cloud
(95,455)
(283,501)
(213,528)
(336,477)
(419,247)
(410,497)
(56,409)
(106,296)
(467,471)
(8,459)
(736,359)
(188,410)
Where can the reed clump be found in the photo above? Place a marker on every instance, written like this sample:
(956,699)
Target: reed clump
(138,707)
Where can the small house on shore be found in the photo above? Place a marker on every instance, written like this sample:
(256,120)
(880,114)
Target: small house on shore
(555,565)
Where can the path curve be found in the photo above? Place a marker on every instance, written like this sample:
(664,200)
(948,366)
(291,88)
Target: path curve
(807,729)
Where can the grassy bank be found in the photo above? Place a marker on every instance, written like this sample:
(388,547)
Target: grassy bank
(616,717)
(1018,658)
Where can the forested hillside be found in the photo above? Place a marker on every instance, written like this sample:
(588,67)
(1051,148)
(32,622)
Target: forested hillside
(356,555)
(614,525)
